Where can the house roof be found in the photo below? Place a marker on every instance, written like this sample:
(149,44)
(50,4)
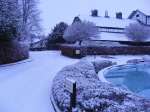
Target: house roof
(108,22)
(146,13)
(132,14)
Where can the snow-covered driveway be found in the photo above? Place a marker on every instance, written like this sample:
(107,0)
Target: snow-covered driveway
(25,87)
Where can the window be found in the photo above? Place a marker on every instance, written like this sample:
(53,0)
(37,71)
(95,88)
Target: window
(137,15)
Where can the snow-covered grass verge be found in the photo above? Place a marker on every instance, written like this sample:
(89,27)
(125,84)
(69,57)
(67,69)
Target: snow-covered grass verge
(92,94)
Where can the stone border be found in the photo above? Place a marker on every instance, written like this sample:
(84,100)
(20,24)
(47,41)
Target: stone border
(101,74)
(104,71)
(16,63)
(56,108)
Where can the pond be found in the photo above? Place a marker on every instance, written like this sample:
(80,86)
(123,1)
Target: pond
(135,78)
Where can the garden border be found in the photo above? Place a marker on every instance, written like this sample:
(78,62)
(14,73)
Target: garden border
(105,70)
(55,107)
(16,63)
(102,72)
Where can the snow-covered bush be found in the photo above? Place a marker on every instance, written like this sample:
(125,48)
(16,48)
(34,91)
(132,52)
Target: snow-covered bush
(9,19)
(79,71)
(92,94)
(100,64)
(135,61)
(137,32)
(79,31)
(12,51)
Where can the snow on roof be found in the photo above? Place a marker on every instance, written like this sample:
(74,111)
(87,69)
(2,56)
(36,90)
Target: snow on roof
(108,22)
(146,12)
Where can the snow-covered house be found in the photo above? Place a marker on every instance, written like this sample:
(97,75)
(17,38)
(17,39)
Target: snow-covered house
(116,24)
(140,16)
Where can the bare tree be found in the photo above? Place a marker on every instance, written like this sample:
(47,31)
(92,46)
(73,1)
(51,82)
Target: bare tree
(137,32)
(30,18)
(79,31)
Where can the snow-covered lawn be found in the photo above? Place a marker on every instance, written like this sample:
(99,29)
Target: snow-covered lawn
(25,87)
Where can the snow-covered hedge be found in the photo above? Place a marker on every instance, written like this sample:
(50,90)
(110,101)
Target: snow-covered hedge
(92,94)
(12,51)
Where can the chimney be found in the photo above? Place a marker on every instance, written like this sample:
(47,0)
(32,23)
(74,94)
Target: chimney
(94,13)
(106,14)
(119,15)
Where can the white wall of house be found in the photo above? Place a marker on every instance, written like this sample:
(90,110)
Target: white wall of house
(111,30)
(140,16)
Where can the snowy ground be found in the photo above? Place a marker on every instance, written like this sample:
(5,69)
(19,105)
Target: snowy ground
(25,87)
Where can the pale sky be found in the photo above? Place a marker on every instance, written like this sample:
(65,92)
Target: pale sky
(54,11)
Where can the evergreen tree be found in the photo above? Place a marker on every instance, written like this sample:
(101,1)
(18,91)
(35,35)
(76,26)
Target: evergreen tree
(57,33)
(9,19)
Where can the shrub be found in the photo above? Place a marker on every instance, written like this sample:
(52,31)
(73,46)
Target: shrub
(12,51)
(57,34)
(100,64)
(9,19)
(79,31)
(137,32)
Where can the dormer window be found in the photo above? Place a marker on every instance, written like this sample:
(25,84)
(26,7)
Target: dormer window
(137,15)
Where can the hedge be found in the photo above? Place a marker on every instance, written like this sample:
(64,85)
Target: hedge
(12,51)
(70,50)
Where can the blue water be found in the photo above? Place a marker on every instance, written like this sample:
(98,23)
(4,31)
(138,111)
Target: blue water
(135,78)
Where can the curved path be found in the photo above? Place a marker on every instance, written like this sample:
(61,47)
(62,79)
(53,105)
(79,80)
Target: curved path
(25,87)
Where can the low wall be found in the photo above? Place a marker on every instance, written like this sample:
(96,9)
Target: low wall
(70,50)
